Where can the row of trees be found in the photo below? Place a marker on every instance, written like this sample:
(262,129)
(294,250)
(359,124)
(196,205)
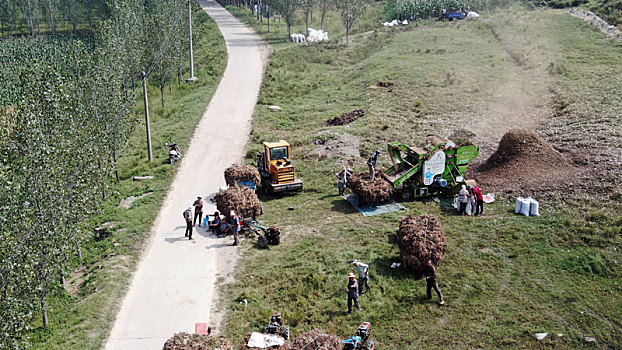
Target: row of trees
(35,16)
(350,10)
(63,121)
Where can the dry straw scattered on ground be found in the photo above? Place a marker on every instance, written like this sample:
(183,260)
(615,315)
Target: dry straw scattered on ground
(185,341)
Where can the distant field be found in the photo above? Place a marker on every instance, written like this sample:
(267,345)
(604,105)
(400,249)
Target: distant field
(505,277)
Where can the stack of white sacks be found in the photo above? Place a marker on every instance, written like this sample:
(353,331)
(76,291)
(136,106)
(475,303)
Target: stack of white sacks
(527,206)
(394,23)
(317,35)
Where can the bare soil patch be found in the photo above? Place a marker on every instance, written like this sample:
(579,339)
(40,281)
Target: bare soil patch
(344,147)
(346,118)
(383,84)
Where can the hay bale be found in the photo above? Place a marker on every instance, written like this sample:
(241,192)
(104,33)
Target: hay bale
(185,341)
(237,173)
(314,339)
(346,118)
(421,238)
(370,193)
(242,200)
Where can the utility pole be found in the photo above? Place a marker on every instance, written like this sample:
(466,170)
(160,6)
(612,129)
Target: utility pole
(147,117)
(192,78)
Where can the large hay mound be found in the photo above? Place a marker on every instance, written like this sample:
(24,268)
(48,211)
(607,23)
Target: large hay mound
(523,159)
(370,193)
(236,173)
(346,118)
(314,339)
(421,238)
(242,200)
(185,341)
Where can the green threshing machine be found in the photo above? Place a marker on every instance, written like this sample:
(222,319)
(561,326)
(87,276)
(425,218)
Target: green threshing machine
(417,173)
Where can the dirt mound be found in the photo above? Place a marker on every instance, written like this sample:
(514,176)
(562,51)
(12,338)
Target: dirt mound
(384,84)
(370,193)
(421,238)
(523,159)
(185,341)
(242,200)
(346,118)
(314,339)
(237,173)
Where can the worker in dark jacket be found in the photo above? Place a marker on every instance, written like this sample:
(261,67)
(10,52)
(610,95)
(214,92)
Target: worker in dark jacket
(353,292)
(371,163)
(188,217)
(430,278)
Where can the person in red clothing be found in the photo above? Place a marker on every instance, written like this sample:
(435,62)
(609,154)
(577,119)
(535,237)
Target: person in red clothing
(479,200)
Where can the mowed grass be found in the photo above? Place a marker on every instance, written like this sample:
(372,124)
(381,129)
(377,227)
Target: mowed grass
(505,277)
(82,316)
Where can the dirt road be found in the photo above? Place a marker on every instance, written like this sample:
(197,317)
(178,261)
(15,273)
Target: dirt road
(173,287)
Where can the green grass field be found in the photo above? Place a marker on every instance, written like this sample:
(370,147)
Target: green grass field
(81,317)
(504,277)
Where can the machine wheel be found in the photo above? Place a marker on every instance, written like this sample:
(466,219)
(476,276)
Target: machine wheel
(407,195)
(275,240)
(267,188)
(370,345)
(262,242)
(285,332)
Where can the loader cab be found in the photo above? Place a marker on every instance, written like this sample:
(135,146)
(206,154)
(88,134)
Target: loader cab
(276,168)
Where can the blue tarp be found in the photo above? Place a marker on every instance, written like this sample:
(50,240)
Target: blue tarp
(375,209)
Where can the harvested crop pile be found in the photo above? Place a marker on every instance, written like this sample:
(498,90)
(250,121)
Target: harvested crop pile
(384,84)
(236,173)
(241,199)
(370,193)
(346,118)
(432,140)
(314,339)
(421,238)
(185,341)
(523,159)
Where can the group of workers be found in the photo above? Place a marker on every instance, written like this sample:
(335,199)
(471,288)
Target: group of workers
(218,226)
(470,200)
(357,288)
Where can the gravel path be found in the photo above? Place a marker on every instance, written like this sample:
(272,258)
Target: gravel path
(173,287)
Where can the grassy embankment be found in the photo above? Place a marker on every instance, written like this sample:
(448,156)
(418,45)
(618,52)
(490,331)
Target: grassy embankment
(82,317)
(504,277)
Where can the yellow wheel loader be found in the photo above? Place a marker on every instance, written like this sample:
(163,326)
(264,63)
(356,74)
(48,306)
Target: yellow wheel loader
(276,169)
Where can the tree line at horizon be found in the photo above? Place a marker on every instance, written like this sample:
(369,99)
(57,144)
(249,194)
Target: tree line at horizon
(64,121)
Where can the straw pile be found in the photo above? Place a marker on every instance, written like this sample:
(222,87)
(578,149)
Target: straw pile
(242,200)
(421,238)
(314,339)
(237,173)
(370,193)
(185,341)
